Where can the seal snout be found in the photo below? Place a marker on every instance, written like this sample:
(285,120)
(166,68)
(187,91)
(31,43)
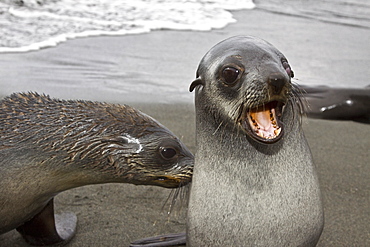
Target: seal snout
(261,121)
(277,82)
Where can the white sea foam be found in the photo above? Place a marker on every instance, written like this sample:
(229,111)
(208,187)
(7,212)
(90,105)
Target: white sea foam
(31,25)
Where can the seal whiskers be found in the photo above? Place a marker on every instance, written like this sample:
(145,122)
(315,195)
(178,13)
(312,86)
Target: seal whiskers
(178,196)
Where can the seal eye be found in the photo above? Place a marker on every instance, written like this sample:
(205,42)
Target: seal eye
(168,153)
(230,75)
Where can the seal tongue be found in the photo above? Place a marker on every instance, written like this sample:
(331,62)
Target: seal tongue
(263,122)
(262,118)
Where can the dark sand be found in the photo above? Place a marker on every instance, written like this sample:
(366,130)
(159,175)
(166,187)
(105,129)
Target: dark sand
(115,214)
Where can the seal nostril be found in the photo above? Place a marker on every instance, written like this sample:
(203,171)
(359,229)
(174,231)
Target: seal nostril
(276,83)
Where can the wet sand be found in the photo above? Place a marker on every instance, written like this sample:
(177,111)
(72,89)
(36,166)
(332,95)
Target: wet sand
(114,215)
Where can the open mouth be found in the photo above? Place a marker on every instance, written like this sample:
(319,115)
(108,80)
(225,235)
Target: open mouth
(263,122)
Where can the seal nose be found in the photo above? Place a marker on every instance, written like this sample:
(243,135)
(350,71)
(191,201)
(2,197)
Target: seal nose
(276,83)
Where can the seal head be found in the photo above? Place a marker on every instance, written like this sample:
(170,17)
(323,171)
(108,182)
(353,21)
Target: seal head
(116,143)
(254,84)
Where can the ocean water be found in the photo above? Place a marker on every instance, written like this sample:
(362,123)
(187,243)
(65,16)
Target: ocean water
(33,24)
(355,13)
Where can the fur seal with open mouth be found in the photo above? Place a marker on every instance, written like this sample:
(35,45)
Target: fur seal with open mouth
(254,181)
(48,146)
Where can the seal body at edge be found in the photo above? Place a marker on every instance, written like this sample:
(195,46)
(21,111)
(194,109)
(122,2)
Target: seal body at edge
(48,146)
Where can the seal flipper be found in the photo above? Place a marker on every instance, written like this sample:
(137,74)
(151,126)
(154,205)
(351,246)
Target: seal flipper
(43,229)
(176,239)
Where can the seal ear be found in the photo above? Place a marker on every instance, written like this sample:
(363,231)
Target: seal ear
(195,83)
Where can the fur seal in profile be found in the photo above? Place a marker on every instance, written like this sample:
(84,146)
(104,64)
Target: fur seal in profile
(254,181)
(48,146)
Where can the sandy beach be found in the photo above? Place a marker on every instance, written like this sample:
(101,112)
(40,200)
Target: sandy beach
(115,215)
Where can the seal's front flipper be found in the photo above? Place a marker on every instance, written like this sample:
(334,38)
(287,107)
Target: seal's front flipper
(176,239)
(43,229)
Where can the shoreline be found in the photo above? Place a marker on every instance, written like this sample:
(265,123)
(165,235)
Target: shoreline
(159,66)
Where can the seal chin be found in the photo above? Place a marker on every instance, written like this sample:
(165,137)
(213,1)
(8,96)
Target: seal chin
(263,123)
(169,181)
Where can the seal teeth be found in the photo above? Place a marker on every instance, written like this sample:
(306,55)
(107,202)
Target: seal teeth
(255,124)
(277,131)
(272,118)
(263,122)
